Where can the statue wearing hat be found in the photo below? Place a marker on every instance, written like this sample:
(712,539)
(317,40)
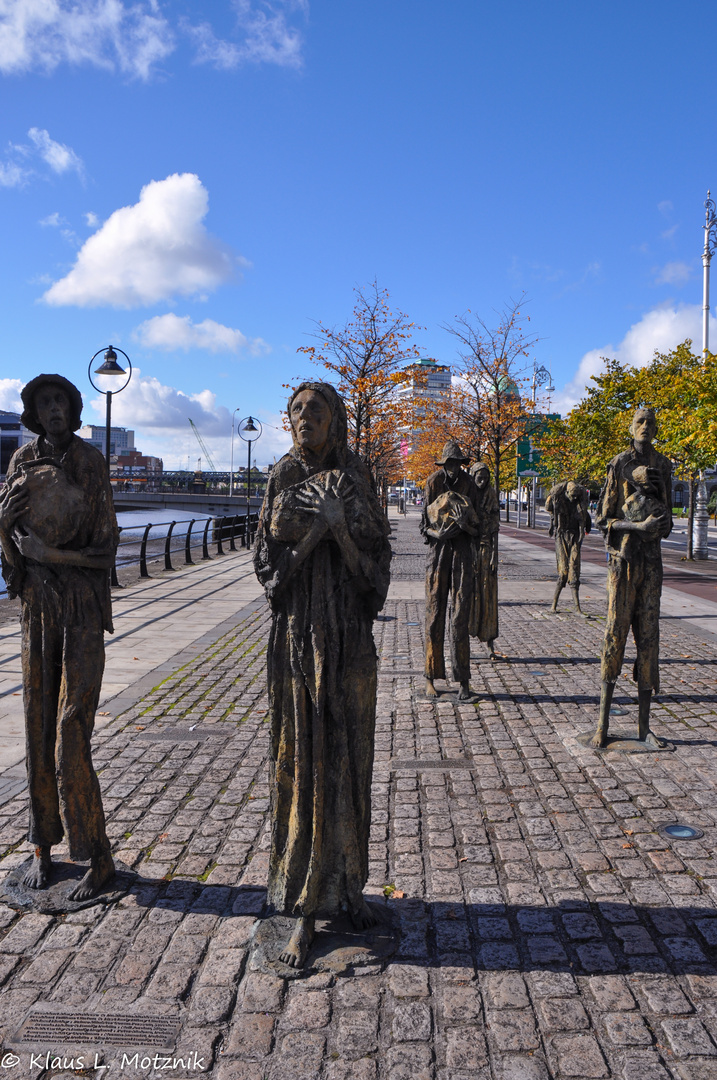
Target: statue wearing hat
(450,524)
(58,536)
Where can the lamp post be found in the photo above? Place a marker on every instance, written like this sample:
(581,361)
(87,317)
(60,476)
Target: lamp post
(231,467)
(541,377)
(112,368)
(710,228)
(249,432)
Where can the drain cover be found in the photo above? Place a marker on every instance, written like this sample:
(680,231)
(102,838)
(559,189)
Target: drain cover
(681,832)
(100,1029)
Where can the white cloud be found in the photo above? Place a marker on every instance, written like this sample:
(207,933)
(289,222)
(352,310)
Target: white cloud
(674,273)
(159,416)
(11,174)
(665,207)
(10,400)
(267,36)
(59,157)
(109,34)
(151,251)
(91,219)
(172,332)
(53,221)
(662,329)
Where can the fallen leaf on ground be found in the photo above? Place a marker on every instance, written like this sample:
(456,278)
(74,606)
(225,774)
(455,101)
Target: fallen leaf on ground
(104,714)
(135,658)
(140,727)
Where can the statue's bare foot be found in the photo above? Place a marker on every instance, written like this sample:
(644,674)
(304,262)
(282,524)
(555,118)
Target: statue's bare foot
(430,689)
(39,873)
(299,943)
(554,608)
(102,870)
(652,740)
(364,918)
(465,693)
(599,739)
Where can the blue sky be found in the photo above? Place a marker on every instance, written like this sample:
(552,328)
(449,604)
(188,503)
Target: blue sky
(197,182)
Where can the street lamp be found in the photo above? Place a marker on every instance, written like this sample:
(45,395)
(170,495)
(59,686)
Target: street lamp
(249,432)
(112,368)
(231,467)
(541,377)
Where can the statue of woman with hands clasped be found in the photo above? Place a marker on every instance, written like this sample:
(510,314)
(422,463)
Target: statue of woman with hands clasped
(323,557)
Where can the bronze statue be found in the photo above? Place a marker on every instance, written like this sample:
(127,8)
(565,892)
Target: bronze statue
(568,506)
(323,558)
(59,536)
(484,611)
(449,524)
(634,514)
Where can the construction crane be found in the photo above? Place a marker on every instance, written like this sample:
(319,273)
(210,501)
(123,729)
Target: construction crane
(200,440)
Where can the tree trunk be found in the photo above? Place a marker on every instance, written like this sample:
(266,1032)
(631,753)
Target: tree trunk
(691,517)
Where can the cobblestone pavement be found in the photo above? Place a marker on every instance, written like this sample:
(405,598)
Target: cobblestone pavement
(547,928)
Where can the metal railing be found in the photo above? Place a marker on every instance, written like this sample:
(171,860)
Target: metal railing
(214,532)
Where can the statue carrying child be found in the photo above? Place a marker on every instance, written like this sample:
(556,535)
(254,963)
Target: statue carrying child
(58,537)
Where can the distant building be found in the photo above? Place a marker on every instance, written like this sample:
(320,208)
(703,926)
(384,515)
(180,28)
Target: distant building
(96,435)
(429,379)
(13,435)
(134,463)
(428,383)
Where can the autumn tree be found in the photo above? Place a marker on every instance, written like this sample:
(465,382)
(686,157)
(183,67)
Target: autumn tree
(367,358)
(487,412)
(679,385)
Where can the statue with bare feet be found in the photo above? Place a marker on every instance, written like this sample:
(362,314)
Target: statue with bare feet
(568,506)
(58,537)
(634,514)
(484,611)
(323,557)
(450,526)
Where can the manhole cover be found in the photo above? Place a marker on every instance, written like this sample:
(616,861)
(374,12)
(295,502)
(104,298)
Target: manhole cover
(84,1029)
(681,832)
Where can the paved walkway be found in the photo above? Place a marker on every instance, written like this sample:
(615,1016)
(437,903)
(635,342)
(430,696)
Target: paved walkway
(548,930)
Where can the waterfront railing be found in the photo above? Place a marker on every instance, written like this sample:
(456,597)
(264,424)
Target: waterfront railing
(179,540)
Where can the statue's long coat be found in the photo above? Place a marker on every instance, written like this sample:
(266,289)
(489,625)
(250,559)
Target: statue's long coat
(322,689)
(65,611)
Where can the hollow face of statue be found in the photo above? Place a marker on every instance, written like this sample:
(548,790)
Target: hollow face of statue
(310,419)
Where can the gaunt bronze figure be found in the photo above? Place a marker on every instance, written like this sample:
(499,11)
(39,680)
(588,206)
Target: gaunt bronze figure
(567,504)
(323,557)
(59,536)
(450,525)
(484,612)
(634,514)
